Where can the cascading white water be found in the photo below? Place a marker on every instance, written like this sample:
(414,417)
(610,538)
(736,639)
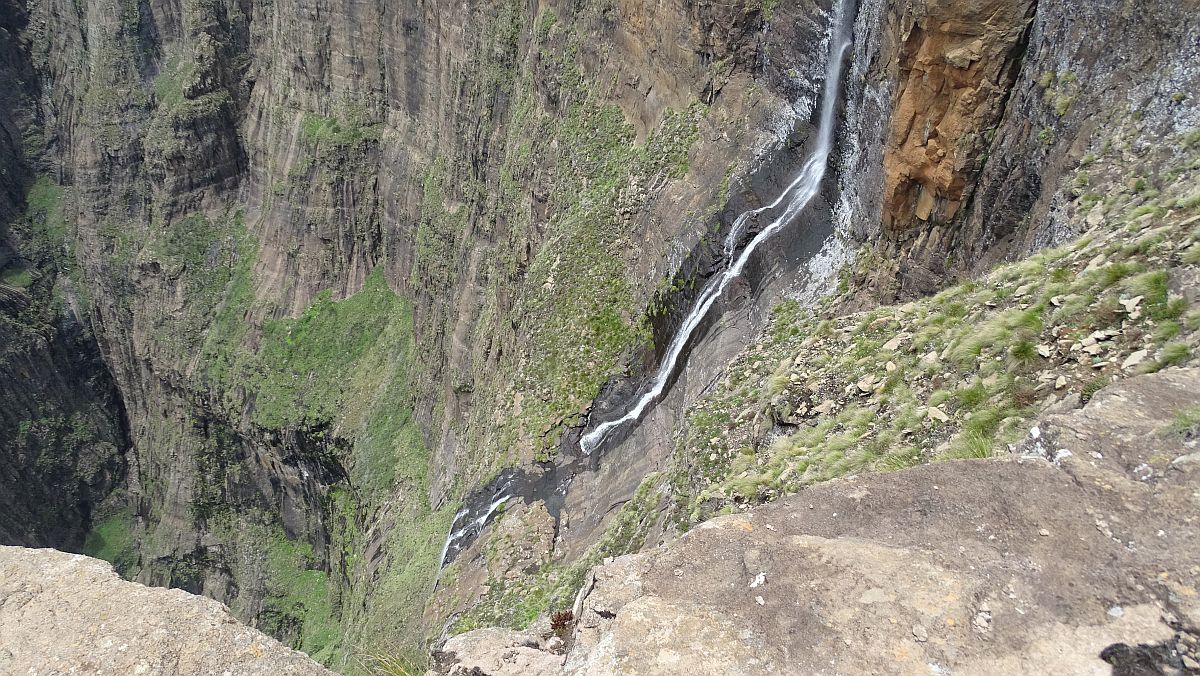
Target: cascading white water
(471,528)
(797,195)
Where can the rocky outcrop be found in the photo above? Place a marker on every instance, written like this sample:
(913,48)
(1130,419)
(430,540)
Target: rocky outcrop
(955,64)
(66,613)
(1077,564)
(992,107)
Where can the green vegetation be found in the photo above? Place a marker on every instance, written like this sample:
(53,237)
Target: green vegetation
(1186,423)
(20,278)
(206,256)
(331,131)
(111,539)
(299,594)
(44,211)
(347,365)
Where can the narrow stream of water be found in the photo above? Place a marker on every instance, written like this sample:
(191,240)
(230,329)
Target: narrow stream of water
(551,484)
(797,195)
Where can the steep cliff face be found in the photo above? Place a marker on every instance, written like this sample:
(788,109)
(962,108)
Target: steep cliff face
(994,107)
(345,262)
(61,425)
(954,63)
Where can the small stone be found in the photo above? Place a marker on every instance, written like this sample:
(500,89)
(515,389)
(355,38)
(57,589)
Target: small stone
(894,344)
(759,600)
(1056,301)
(1131,304)
(930,358)
(1044,533)
(1187,463)
(1191,664)
(555,644)
(1115,612)
(866,384)
(937,414)
(983,620)
(890,367)
(825,408)
(1060,383)
(1044,350)
(759,580)
(1093,349)
(1134,359)
(919,633)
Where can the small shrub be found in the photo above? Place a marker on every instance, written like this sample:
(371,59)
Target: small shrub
(1062,104)
(1092,387)
(1024,395)
(1166,331)
(971,445)
(561,623)
(1115,272)
(1174,354)
(1106,312)
(1192,320)
(1022,353)
(1186,424)
(971,397)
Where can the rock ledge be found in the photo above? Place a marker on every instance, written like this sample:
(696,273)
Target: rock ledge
(67,613)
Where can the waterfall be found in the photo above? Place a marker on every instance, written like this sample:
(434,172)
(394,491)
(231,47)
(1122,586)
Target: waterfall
(797,195)
(458,536)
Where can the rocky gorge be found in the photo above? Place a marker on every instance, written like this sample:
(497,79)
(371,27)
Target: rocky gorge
(308,304)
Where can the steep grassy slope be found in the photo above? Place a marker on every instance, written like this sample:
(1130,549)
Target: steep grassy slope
(961,374)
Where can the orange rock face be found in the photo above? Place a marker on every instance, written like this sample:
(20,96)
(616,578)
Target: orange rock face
(954,59)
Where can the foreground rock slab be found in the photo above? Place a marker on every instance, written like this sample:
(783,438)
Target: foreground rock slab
(1076,555)
(69,614)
